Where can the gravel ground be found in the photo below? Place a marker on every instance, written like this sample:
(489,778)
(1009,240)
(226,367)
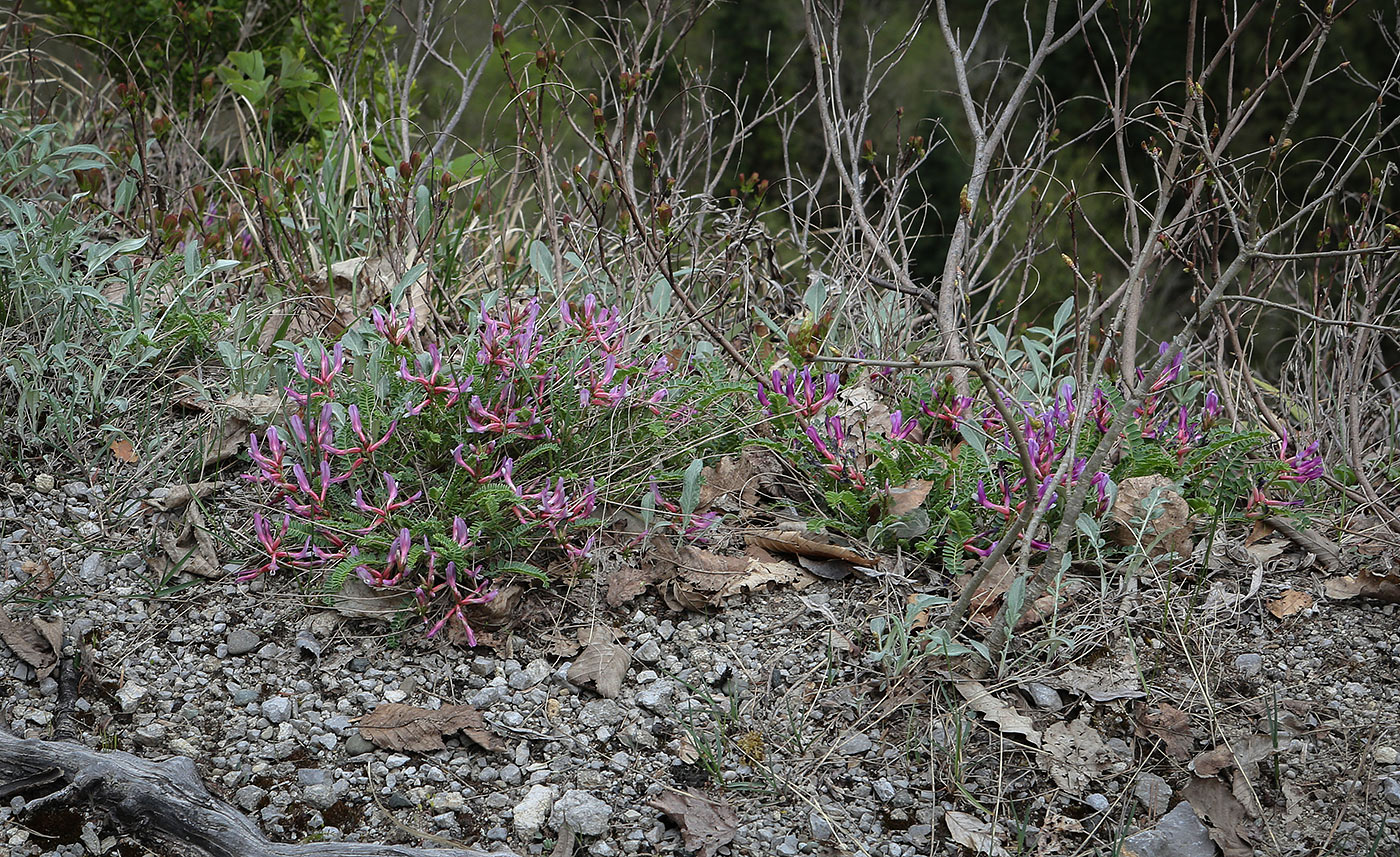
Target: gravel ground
(773,704)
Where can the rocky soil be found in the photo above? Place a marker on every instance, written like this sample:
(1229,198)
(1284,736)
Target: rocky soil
(775,713)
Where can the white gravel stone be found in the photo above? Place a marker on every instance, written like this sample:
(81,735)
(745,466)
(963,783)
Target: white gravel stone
(530,814)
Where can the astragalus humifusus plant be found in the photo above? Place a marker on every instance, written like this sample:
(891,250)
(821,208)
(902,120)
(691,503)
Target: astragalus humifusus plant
(1209,209)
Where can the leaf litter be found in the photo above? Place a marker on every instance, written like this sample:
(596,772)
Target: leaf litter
(408,728)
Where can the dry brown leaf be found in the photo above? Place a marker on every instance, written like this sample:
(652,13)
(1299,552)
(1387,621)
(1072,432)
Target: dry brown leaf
(362,601)
(179,495)
(395,726)
(706,823)
(124,450)
(973,833)
(1163,526)
(1059,834)
(1078,756)
(1364,584)
(760,574)
(627,582)
(36,641)
(1007,718)
(1225,816)
(1171,726)
(190,548)
(1244,755)
(1265,551)
(1290,603)
(686,751)
(732,483)
(1111,675)
(1261,530)
(40,575)
(783,541)
(983,607)
(827,569)
(602,665)
(909,496)
(1048,604)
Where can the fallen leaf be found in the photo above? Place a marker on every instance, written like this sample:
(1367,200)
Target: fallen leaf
(308,644)
(190,548)
(1150,513)
(983,607)
(706,823)
(1078,756)
(1008,719)
(1244,755)
(1262,529)
(1225,816)
(124,450)
(784,541)
(627,582)
(362,601)
(732,484)
(1050,603)
(1058,834)
(909,496)
(1364,584)
(686,751)
(1109,676)
(827,569)
(395,726)
(973,833)
(40,576)
(1171,726)
(37,641)
(1290,603)
(1263,552)
(601,665)
(179,495)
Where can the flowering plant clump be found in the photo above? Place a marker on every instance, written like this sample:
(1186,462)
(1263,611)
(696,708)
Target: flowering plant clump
(962,445)
(431,475)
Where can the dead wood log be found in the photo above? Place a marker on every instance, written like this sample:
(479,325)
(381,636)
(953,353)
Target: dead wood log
(164,802)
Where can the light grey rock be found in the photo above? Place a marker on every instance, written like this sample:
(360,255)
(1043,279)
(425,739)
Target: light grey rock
(532,811)
(321,795)
(91,572)
(1179,834)
(357,744)
(656,696)
(1249,665)
(1043,695)
(649,652)
(856,745)
(884,789)
(245,695)
(581,812)
(788,846)
(150,735)
(1390,790)
(241,641)
(601,712)
(532,674)
(1153,793)
(278,709)
(129,696)
(249,797)
(820,827)
(1097,802)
